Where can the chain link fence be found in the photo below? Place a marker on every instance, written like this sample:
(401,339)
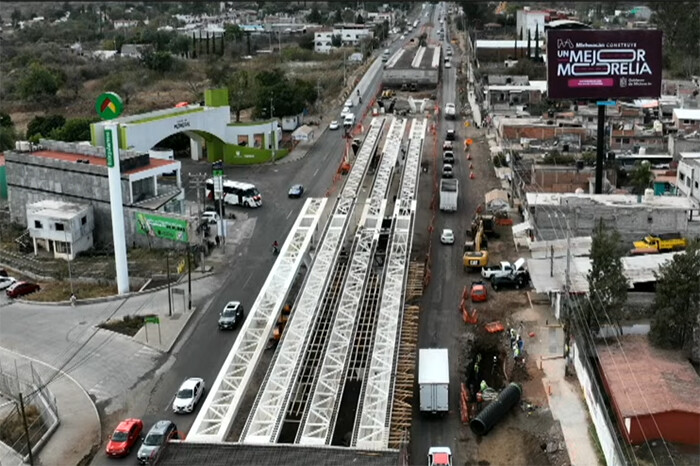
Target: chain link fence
(40,412)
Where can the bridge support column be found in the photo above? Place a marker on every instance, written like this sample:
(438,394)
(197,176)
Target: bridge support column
(196,147)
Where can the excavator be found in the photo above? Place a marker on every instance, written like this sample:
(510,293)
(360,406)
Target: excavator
(475,254)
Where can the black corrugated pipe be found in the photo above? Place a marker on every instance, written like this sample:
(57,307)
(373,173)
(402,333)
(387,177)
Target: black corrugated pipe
(484,422)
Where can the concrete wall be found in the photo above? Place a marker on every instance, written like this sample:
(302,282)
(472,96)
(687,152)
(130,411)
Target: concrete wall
(396,77)
(632,222)
(677,144)
(516,131)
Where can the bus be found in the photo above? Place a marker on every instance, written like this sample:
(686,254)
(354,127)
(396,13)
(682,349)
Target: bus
(237,193)
(628,161)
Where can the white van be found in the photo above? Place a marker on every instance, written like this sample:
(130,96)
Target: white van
(349,120)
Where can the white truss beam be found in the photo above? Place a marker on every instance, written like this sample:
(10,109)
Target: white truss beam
(221,406)
(317,426)
(372,432)
(263,425)
(374,413)
(352,184)
(409,183)
(392,147)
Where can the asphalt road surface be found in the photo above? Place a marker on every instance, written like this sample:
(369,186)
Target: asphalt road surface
(441,325)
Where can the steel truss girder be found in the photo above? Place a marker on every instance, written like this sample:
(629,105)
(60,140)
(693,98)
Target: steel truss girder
(317,425)
(265,421)
(392,147)
(373,419)
(372,429)
(213,422)
(409,183)
(352,184)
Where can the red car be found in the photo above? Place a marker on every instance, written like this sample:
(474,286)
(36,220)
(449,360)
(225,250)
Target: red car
(21,289)
(124,437)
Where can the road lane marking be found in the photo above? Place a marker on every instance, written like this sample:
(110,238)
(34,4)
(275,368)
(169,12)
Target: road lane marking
(247,280)
(289,214)
(316,172)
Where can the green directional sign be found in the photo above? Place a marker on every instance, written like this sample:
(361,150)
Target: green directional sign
(152,320)
(109,106)
(109,148)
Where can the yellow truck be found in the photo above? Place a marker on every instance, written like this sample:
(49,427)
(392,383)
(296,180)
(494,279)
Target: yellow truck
(660,243)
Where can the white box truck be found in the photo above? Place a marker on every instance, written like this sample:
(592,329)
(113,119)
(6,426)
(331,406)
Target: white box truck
(433,380)
(449,191)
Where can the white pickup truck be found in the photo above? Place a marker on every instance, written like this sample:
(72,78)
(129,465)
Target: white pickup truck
(439,456)
(504,268)
(450,111)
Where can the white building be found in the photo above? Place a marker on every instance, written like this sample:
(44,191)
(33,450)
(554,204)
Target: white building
(323,41)
(63,228)
(688,175)
(378,18)
(529,20)
(350,34)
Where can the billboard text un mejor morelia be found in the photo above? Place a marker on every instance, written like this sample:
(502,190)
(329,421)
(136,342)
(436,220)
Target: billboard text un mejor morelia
(591,64)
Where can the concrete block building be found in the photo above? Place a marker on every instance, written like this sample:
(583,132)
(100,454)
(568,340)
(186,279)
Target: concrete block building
(633,216)
(77,174)
(62,228)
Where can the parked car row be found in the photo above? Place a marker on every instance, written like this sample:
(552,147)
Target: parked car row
(15,288)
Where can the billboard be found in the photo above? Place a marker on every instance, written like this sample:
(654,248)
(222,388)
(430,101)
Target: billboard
(162,227)
(591,64)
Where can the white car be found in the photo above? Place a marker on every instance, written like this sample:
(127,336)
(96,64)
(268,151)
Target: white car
(448,64)
(349,103)
(334,125)
(188,395)
(6,282)
(210,217)
(447,236)
(345,111)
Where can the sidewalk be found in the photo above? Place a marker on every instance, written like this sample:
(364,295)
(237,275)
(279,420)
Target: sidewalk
(79,427)
(564,397)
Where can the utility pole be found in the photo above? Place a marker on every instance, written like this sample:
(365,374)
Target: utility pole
(197,182)
(189,279)
(167,272)
(26,430)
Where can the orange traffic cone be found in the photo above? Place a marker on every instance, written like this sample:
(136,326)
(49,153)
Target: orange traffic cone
(471,166)
(471,175)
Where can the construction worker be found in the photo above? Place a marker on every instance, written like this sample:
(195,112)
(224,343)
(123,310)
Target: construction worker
(484,386)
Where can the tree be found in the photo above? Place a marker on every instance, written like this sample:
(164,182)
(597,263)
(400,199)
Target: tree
(75,129)
(233,32)
(681,34)
(44,125)
(8,136)
(6,120)
(677,301)
(217,72)
(359,19)
(336,40)
(160,62)
(306,41)
(239,88)
(641,177)
(38,83)
(315,16)
(606,282)
(337,17)
(16,17)
(478,13)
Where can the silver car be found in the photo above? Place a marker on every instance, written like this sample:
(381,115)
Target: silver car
(161,432)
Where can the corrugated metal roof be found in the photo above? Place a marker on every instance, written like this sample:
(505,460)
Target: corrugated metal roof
(646,380)
(232,454)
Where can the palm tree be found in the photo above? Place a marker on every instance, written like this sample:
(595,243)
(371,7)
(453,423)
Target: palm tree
(641,177)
